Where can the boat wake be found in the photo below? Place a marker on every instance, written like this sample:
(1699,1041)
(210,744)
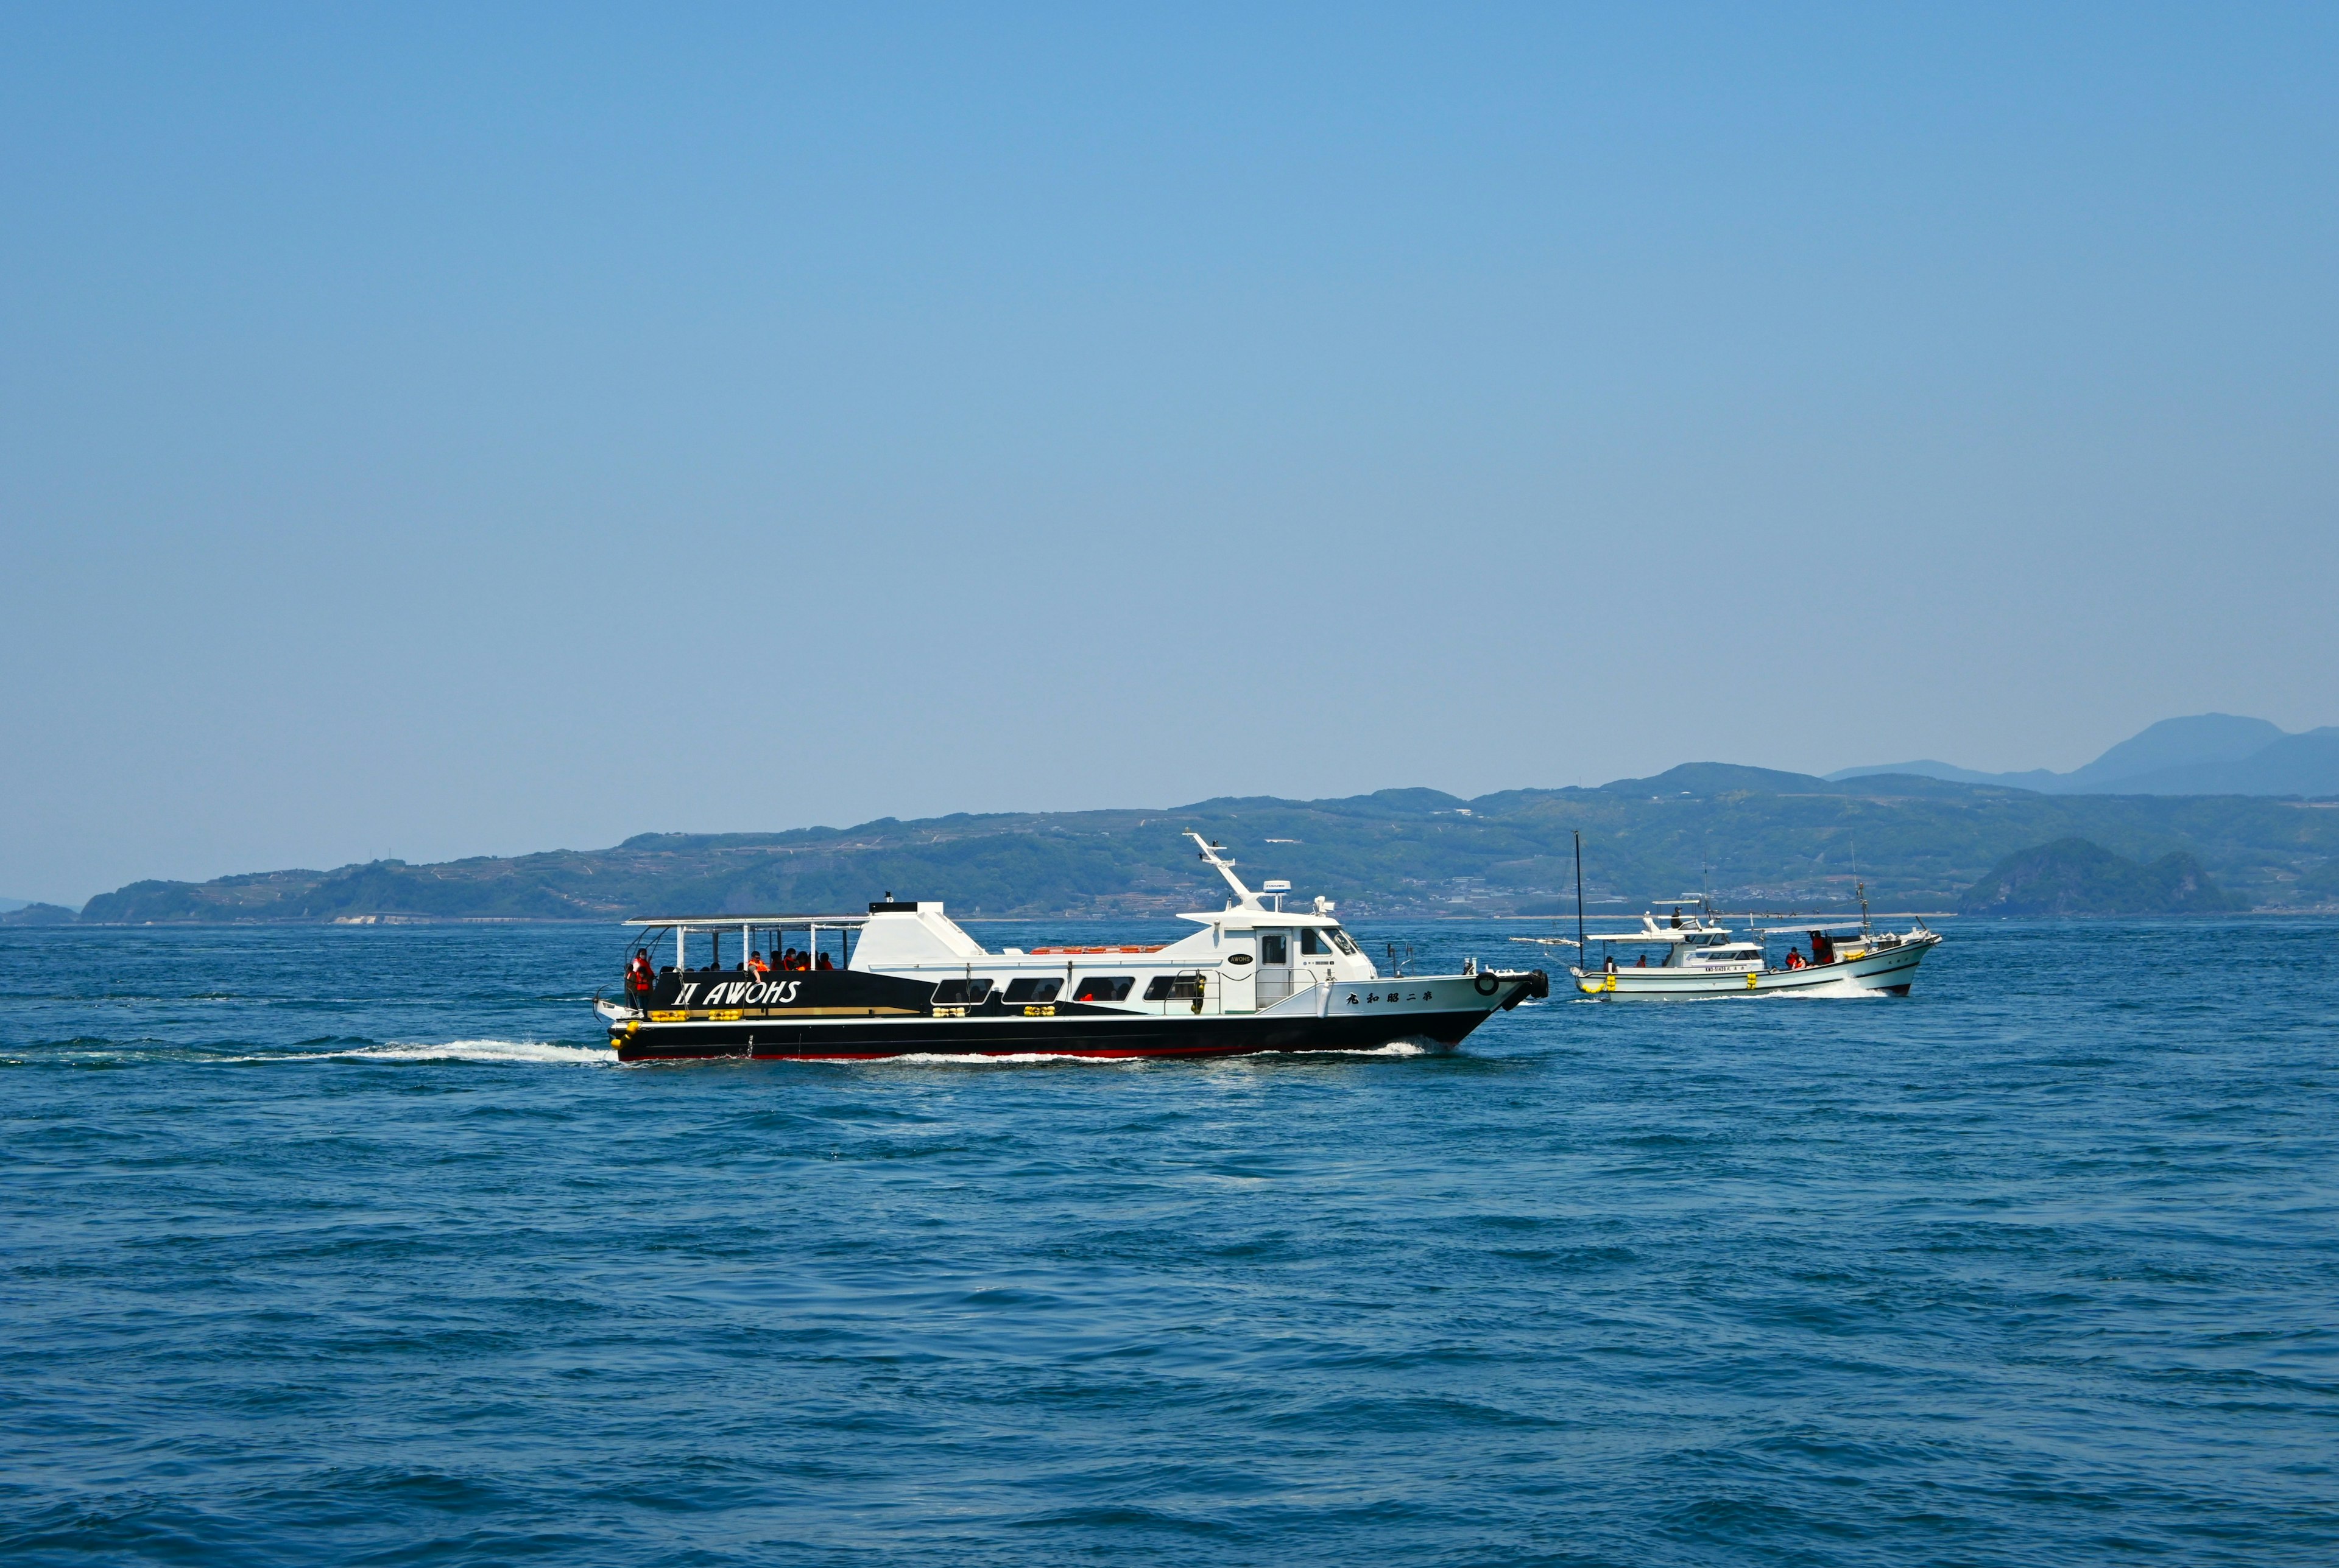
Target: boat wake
(498,1053)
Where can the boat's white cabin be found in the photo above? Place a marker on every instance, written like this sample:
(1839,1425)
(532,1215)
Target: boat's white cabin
(1694,943)
(1282,947)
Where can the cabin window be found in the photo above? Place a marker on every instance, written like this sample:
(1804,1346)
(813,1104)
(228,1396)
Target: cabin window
(1310,942)
(1104,988)
(1021,991)
(960,992)
(1173,988)
(1340,940)
(1274,947)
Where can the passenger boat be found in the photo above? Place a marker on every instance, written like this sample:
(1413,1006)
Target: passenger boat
(905,979)
(1702,958)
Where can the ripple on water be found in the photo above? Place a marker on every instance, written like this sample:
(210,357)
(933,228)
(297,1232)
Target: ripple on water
(305,1261)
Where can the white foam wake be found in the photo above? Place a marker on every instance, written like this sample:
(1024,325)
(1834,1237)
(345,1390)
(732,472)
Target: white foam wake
(509,1052)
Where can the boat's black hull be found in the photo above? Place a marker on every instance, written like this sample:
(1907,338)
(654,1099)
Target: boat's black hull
(1090,1035)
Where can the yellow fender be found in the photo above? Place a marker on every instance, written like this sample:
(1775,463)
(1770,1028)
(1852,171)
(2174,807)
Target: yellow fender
(1752,980)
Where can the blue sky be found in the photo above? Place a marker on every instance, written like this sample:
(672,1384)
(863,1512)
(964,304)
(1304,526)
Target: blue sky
(482,429)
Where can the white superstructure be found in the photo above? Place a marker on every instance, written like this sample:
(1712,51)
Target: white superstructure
(1252,956)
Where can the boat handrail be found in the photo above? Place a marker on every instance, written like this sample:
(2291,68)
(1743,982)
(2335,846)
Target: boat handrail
(1085,952)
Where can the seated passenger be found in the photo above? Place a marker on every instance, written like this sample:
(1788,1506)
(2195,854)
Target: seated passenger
(824,962)
(1641,961)
(756,964)
(1795,958)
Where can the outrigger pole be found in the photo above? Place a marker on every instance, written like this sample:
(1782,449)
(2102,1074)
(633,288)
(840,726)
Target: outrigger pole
(1583,961)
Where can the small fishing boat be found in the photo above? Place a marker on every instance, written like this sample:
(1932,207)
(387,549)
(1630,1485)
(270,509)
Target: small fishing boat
(906,980)
(1698,956)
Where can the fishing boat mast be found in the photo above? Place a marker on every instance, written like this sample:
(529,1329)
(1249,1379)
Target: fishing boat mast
(1580,958)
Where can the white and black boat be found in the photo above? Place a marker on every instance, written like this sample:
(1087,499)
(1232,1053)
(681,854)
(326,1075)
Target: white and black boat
(1701,957)
(905,979)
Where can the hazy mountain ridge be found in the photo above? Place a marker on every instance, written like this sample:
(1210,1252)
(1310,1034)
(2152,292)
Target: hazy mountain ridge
(2207,754)
(1770,838)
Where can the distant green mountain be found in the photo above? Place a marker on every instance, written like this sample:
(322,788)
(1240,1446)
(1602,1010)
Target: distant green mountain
(18,913)
(2072,876)
(1772,840)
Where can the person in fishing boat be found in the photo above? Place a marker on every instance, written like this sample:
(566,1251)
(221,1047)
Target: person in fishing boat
(756,964)
(1795,958)
(1612,964)
(639,978)
(824,962)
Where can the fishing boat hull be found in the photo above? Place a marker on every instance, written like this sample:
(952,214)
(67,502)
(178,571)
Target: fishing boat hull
(1888,971)
(1439,1010)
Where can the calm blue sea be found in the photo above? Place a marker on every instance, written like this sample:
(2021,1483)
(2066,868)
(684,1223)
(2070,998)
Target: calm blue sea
(351,1246)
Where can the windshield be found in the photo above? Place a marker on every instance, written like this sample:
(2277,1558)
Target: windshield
(1340,940)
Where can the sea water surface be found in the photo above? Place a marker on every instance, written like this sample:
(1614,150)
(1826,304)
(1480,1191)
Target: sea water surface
(355,1246)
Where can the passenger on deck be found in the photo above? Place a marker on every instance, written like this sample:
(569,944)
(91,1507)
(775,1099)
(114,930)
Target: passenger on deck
(824,962)
(792,960)
(756,964)
(1641,961)
(1612,964)
(639,978)
(1676,920)
(1795,958)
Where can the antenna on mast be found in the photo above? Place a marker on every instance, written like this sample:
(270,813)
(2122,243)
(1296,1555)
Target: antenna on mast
(1226,868)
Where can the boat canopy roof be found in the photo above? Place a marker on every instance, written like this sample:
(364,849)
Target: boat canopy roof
(1234,917)
(733,921)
